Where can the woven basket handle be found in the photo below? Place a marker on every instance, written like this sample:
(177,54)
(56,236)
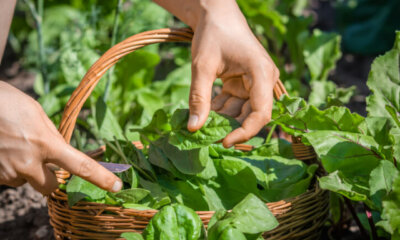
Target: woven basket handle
(92,77)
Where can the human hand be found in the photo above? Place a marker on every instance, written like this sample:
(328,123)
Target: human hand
(29,142)
(223,46)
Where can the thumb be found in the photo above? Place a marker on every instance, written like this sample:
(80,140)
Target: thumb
(200,95)
(79,164)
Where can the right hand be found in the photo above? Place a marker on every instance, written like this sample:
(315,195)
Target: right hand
(29,143)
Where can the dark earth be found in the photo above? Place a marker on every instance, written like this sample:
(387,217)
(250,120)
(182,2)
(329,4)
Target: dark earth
(23,211)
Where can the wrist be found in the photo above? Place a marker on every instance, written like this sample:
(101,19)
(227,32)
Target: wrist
(192,12)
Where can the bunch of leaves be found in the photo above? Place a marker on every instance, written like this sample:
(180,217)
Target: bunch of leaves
(247,220)
(180,167)
(360,154)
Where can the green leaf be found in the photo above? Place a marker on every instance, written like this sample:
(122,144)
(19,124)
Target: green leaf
(107,124)
(158,127)
(136,206)
(133,195)
(391,208)
(384,82)
(71,66)
(325,94)
(296,117)
(132,236)
(276,147)
(136,70)
(321,52)
(236,179)
(217,150)
(190,162)
(395,135)
(381,179)
(184,192)
(174,222)
(353,154)
(352,188)
(160,197)
(215,128)
(78,189)
(250,216)
(285,188)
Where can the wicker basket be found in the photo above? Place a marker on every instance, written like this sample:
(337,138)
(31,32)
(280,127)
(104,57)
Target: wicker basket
(299,218)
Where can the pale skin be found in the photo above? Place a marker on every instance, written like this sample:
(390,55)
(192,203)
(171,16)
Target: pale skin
(223,47)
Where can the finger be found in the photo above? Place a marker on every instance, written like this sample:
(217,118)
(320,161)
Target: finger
(219,101)
(14,183)
(200,95)
(246,110)
(236,87)
(43,180)
(83,166)
(232,106)
(261,98)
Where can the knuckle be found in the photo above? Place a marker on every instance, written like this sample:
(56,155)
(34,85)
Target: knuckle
(196,99)
(245,135)
(86,167)
(8,177)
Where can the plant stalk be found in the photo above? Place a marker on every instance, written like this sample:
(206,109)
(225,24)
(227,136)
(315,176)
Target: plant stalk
(371,222)
(271,131)
(113,40)
(37,15)
(355,217)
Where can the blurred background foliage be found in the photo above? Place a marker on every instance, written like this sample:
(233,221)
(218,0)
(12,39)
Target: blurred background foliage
(61,39)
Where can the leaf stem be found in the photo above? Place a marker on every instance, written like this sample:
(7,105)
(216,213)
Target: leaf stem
(271,131)
(371,222)
(118,150)
(37,15)
(355,217)
(113,40)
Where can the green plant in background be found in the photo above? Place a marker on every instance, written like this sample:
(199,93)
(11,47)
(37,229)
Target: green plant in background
(360,155)
(305,59)
(69,36)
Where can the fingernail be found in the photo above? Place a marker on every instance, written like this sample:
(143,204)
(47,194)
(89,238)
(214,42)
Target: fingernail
(117,186)
(193,119)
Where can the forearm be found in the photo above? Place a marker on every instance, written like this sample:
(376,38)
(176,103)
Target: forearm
(6,13)
(192,12)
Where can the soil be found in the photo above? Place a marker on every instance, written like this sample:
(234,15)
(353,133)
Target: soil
(23,211)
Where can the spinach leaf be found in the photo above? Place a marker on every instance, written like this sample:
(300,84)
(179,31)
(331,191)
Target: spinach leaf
(190,161)
(133,195)
(175,222)
(250,216)
(276,147)
(215,128)
(78,189)
(132,236)
(184,192)
(158,127)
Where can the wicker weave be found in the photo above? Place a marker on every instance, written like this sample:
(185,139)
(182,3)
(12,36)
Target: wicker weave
(299,218)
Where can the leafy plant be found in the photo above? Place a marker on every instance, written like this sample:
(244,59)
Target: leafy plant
(360,154)
(190,169)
